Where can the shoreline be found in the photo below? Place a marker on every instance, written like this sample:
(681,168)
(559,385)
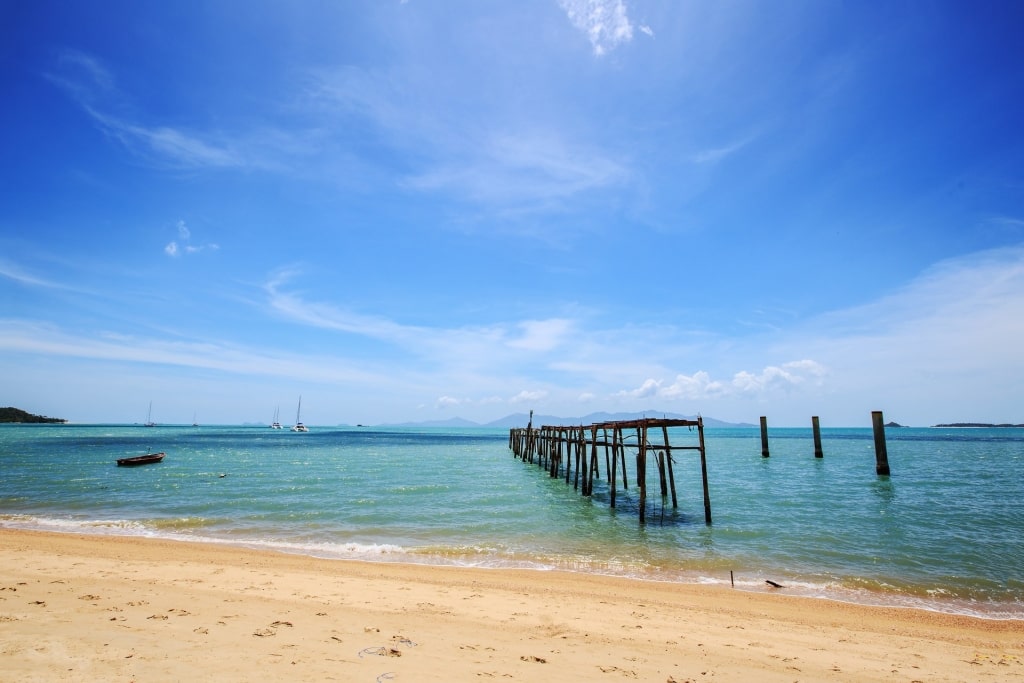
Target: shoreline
(84,607)
(747,581)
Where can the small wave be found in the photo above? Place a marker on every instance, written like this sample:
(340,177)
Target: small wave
(856,591)
(36,523)
(178,523)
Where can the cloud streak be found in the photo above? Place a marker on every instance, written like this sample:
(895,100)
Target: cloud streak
(89,83)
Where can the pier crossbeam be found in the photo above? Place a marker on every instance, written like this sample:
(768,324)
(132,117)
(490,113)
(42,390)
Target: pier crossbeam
(559,448)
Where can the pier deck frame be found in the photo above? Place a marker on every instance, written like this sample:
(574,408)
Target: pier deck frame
(556,448)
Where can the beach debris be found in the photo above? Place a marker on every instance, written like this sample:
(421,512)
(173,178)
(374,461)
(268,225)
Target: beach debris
(531,658)
(271,630)
(773,584)
(380,652)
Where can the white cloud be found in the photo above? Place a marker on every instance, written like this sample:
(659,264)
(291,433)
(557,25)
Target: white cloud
(647,30)
(528,396)
(772,380)
(604,22)
(542,335)
(173,249)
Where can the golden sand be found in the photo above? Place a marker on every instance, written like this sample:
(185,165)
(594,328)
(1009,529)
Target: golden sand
(89,608)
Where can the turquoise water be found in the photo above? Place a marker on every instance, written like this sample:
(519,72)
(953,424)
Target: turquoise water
(944,532)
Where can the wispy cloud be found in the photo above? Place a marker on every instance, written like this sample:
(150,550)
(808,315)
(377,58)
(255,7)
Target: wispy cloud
(510,164)
(183,245)
(20,336)
(715,154)
(16,273)
(94,88)
(605,22)
(523,170)
(477,346)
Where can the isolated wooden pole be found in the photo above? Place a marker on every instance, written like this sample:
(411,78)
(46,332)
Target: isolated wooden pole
(817,437)
(881,454)
(764,436)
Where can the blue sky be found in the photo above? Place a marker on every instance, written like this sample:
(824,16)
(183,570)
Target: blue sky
(407,211)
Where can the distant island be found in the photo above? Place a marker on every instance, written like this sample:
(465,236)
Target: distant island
(9,414)
(977,424)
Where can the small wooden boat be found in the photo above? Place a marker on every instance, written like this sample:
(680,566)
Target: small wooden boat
(146,459)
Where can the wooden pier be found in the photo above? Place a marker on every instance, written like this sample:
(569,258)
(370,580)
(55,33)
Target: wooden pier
(574,452)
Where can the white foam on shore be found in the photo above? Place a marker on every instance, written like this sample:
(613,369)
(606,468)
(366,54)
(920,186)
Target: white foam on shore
(491,558)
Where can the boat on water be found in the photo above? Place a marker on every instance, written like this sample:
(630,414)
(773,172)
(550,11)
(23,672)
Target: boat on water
(277,422)
(147,459)
(149,416)
(299,427)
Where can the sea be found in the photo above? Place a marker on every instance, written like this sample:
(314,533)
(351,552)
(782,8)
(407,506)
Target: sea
(944,531)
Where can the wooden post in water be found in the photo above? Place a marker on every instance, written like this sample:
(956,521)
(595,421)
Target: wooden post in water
(817,437)
(668,463)
(704,471)
(764,436)
(614,469)
(881,455)
(641,470)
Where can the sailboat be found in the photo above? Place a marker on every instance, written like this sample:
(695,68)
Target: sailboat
(299,427)
(277,422)
(149,416)
(194,423)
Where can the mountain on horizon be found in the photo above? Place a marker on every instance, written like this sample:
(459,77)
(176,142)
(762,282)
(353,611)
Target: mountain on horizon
(522,419)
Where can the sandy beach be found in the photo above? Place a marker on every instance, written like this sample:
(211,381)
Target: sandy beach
(91,608)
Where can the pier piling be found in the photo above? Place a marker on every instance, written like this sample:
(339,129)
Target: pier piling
(764,436)
(881,454)
(817,437)
(555,445)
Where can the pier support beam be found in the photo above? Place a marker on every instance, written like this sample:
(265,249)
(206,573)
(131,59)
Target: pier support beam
(554,445)
(817,437)
(704,471)
(764,436)
(881,454)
